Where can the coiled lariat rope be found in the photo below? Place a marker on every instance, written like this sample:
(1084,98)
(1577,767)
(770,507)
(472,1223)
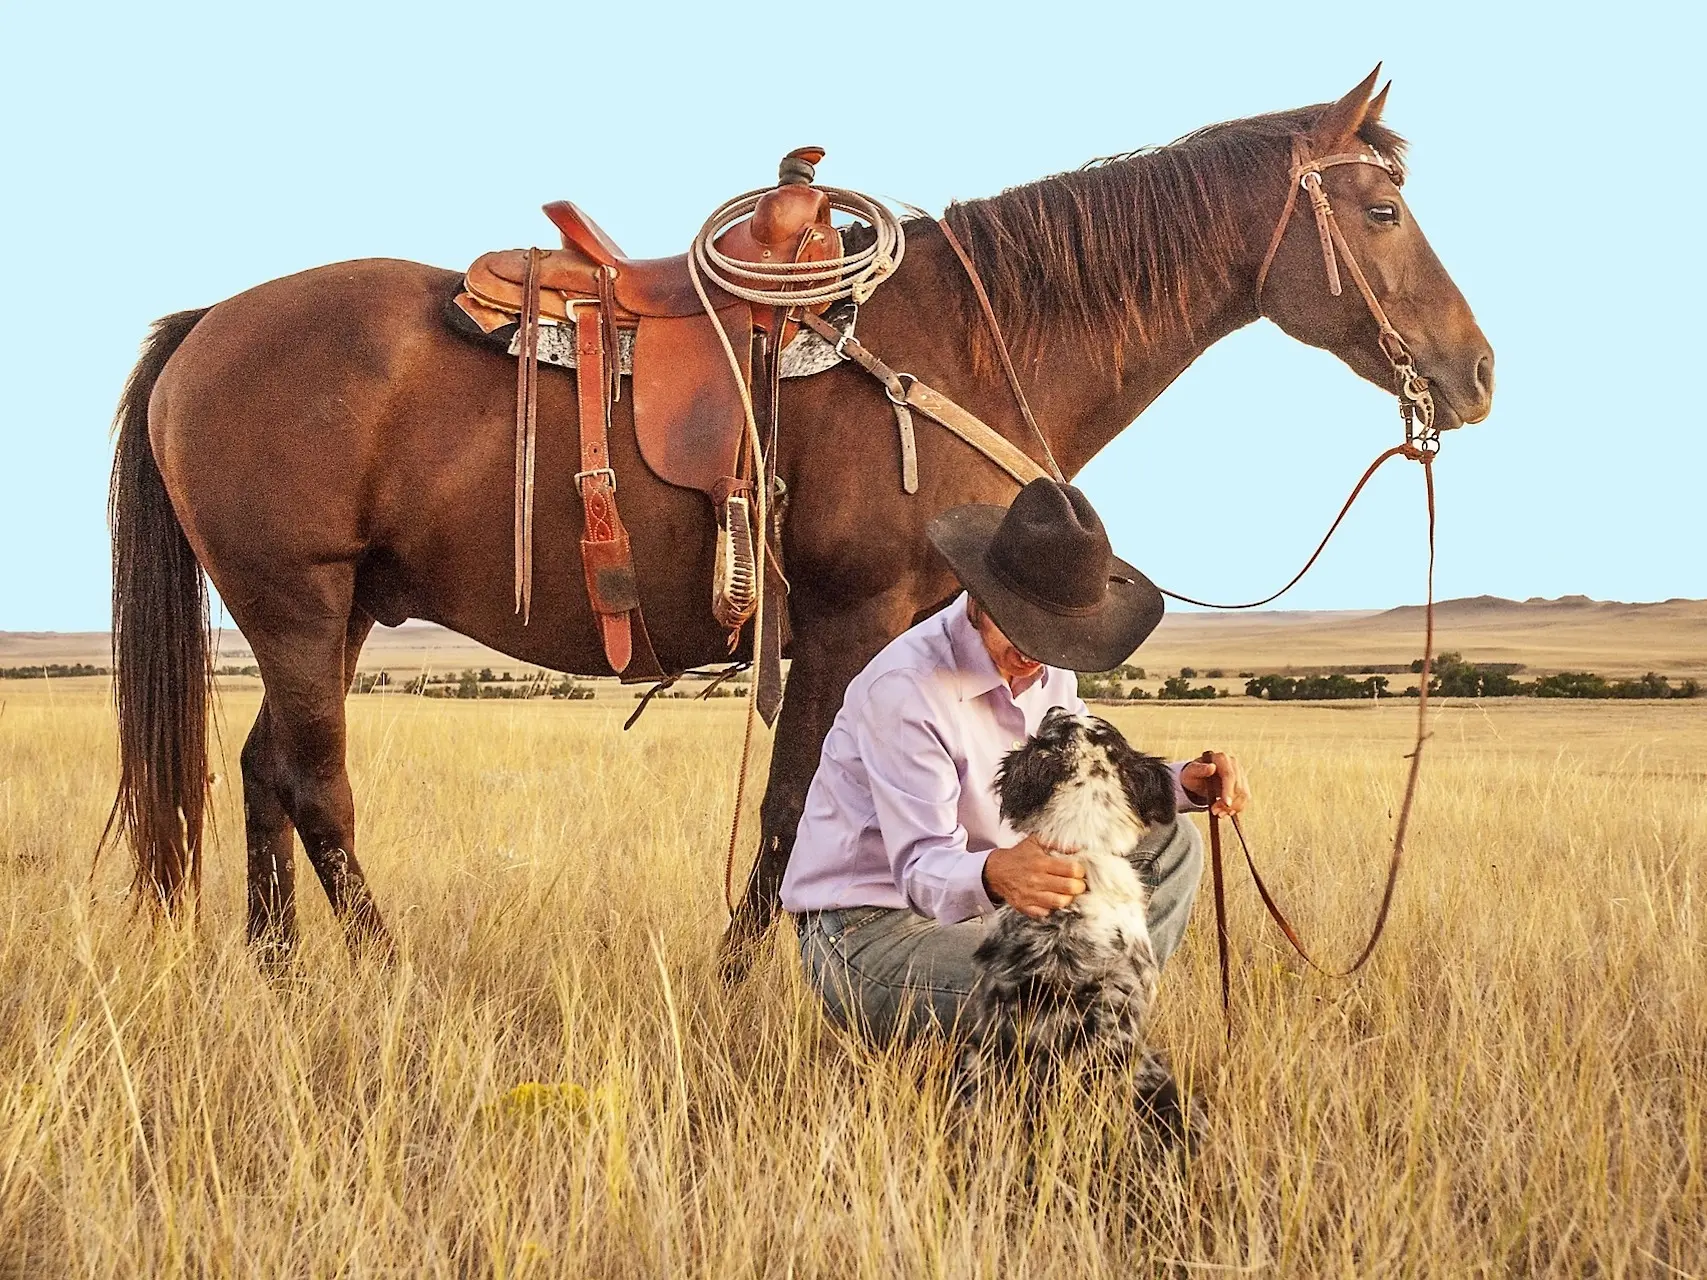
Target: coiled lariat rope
(800,284)
(785,285)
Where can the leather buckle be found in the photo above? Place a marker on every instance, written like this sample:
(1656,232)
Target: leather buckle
(847,334)
(598,471)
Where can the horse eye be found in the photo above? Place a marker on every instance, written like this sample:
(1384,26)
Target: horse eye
(1386,213)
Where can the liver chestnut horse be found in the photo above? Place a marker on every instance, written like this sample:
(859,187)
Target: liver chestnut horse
(331,454)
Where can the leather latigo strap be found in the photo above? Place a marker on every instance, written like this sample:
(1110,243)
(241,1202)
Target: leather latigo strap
(606,556)
(527,409)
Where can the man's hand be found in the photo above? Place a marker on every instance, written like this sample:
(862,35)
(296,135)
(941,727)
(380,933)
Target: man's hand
(1217,780)
(1032,878)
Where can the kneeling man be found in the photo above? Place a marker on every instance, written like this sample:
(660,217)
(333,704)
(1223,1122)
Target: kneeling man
(902,855)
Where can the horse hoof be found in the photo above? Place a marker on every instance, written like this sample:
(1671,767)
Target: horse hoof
(735,960)
(369,940)
(275,958)
(742,942)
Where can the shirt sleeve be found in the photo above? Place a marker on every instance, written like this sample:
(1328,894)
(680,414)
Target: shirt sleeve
(1182,798)
(915,790)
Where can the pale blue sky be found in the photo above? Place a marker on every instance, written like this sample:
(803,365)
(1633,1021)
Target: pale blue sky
(167,156)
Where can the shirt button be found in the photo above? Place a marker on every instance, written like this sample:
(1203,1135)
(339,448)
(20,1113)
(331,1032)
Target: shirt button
(1018,744)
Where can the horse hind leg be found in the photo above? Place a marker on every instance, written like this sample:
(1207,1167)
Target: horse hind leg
(272,854)
(306,669)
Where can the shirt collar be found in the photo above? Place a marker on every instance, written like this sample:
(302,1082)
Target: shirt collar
(975,671)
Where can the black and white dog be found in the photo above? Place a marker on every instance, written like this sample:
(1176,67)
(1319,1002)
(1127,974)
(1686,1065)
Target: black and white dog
(1077,984)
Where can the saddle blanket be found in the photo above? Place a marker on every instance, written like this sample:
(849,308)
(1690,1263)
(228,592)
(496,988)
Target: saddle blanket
(805,355)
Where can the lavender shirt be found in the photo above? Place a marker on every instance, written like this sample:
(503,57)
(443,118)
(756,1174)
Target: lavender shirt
(902,811)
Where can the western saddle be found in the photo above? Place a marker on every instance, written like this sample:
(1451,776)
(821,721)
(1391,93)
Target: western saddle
(690,415)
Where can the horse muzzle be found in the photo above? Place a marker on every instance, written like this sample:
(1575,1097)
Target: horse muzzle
(1462,385)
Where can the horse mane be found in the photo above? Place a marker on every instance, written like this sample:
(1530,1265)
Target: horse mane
(1119,248)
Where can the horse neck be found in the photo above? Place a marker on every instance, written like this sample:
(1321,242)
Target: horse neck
(1081,397)
(1082,402)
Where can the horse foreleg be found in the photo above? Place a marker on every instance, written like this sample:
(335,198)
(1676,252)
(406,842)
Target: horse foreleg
(828,653)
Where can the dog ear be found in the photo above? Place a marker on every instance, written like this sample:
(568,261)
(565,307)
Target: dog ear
(1149,787)
(1025,780)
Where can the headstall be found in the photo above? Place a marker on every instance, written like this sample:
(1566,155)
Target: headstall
(1416,402)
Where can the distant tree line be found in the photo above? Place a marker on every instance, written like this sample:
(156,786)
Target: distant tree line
(1449,676)
(53,671)
(1279,688)
(1110,686)
(487,683)
(471,684)
(716,691)
(1452,677)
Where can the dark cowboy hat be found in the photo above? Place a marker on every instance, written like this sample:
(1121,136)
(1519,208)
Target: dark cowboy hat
(1043,570)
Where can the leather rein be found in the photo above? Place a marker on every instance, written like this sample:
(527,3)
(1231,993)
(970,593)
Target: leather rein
(1421,444)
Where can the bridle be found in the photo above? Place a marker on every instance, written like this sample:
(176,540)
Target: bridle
(1421,444)
(1416,402)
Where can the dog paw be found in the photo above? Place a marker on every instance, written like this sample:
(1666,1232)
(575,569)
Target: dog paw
(1179,1121)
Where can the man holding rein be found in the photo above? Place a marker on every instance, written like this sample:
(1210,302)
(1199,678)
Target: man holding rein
(902,855)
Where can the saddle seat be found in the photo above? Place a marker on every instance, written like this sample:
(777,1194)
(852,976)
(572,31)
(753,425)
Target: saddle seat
(688,414)
(791,223)
(568,277)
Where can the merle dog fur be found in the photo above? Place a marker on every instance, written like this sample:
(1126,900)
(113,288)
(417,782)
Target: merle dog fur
(1076,985)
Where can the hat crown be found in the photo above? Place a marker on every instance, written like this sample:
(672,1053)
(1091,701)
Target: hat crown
(1052,550)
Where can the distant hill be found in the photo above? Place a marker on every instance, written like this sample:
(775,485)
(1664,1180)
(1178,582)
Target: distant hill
(1570,633)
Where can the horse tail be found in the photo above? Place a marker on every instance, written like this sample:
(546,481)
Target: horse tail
(162,655)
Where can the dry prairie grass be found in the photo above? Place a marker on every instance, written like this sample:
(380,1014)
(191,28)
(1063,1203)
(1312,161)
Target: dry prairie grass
(1516,1085)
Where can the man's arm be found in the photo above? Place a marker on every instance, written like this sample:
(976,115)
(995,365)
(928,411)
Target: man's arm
(1215,781)
(915,789)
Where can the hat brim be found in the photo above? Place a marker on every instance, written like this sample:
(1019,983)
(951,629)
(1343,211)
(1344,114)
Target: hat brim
(1097,641)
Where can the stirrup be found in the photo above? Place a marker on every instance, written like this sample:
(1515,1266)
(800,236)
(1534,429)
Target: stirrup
(734,579)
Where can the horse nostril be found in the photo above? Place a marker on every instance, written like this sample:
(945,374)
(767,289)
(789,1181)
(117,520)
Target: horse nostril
(1485,377)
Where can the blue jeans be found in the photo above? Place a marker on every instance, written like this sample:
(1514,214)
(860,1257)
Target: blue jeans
(892,974)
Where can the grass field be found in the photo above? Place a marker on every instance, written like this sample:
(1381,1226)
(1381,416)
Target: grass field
(1517,1085)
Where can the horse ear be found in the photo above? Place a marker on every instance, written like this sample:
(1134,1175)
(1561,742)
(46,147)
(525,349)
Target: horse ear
(1377,105)
(1340,122)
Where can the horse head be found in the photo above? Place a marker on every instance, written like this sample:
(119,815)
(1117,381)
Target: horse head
(1377,234)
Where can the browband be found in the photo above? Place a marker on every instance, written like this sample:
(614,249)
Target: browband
(1303,169)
